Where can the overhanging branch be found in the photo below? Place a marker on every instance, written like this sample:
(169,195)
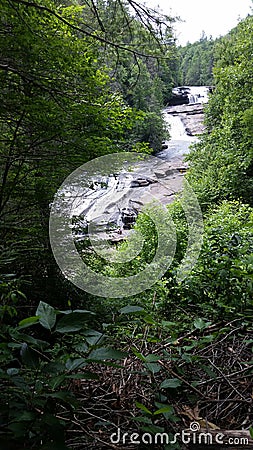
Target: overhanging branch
(95,36)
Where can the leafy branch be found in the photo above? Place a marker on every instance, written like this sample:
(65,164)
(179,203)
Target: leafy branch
(141,12)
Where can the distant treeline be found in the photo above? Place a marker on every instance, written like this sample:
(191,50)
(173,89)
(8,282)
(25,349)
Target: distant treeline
(196,62)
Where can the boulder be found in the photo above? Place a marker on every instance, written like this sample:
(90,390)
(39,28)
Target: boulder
(128,217)
(179,99)
(143,182)
(188,131)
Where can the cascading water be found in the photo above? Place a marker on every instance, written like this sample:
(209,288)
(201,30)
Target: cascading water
(198,94)
(179,142)
(180,139)
(193,99)
(112,199)
(189,95)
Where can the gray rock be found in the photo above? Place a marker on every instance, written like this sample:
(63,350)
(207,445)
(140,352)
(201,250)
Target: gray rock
(143,182)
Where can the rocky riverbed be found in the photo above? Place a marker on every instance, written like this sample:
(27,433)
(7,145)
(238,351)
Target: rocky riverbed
(158,178)
(192,117)
(110,208)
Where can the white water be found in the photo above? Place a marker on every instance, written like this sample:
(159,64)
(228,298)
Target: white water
(179,142)
(198,94)
(176,128)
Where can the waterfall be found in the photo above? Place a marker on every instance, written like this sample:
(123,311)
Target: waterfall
(189,95)
(198,94)
(175,127)
(194,99)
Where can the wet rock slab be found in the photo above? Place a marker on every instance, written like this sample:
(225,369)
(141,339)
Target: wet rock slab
(192,117)
(155,181)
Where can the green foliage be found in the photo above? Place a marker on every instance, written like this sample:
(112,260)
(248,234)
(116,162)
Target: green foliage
(143,81)
(57,111)
(11,293)
(220,284)
(66,99)
(174,367)
(196,62)
(149,128)
(222,161)
(40,360)
(70,91)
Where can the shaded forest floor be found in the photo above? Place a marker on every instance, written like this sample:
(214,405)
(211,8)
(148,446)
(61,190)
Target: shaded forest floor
(199,379)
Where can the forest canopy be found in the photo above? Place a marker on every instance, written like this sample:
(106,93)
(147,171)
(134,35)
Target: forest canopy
(70,92)
(196,61)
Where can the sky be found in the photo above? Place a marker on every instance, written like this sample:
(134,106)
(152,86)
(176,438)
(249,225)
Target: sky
(214,17)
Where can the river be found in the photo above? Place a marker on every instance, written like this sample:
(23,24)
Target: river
(104,198)
(111,204)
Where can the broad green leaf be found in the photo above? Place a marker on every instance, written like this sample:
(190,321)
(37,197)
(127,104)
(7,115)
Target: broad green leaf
(167,324)
(167,411)
(153,429)
(18,429)
(21,294)
(143,408)
(81,347)
(106,353)
(131,309)
(52,421)
(54,368)
(164,409)
(77,363)
(208,370)
(138,354)
(47,315)
(170,383)
(152,358)
(195,383)
(149,319)
(12,371)
(65,396)
(74,321)
(92,336)
(21,384)
(201,324)
(70,311)
(56,381)
(153,367)
(29,357)
(207,339)
(26,416)
(142,419)
(28,322)
(38,343)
